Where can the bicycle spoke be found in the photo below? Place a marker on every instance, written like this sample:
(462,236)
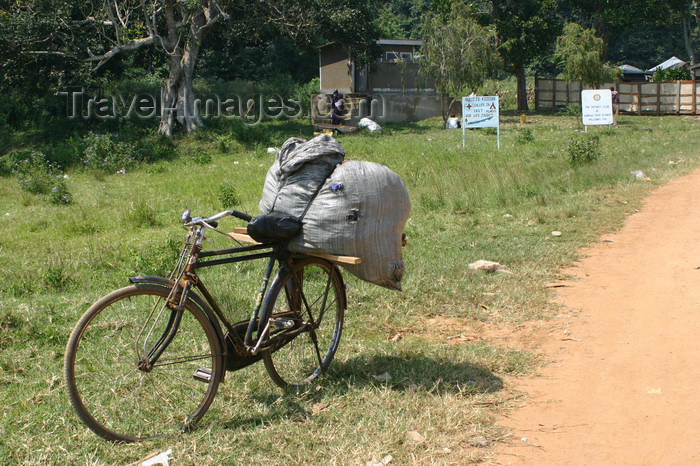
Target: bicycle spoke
(313,291)
(171,361)
(112,395)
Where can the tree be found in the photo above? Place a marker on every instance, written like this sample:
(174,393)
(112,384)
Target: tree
(685,12)
(457,52)
(402,19)
(580,52)
(177,28)
(525,29)
(604,16)
(35,56)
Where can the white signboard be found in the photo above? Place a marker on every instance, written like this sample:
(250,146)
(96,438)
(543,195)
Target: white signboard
(480,112)
(596,107)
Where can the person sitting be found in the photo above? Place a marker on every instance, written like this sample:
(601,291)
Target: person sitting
(337,108)
(453,122)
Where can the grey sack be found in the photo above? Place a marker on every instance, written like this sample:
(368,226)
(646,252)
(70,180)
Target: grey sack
(360,210)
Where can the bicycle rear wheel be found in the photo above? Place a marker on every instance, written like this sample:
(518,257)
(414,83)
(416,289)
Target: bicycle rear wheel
(116,398)
(310,299)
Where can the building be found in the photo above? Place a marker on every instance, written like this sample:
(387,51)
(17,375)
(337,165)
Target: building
(695,70)
(393,89)
(398,69)
(673,62)
(631,73)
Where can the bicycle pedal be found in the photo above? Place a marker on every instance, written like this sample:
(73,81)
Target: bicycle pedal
(203,374)
(281,323)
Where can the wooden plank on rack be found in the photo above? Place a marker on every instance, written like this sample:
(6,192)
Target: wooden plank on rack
(350,260)
(241,234)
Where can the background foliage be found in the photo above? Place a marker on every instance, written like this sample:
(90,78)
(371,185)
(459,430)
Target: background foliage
(47,40)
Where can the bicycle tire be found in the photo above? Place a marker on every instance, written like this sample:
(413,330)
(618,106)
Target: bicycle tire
(109,392)
(312,294)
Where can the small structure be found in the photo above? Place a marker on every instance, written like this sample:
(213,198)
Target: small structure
(393,90)
(397,70)
(633,74)
(695,71)
(673,62)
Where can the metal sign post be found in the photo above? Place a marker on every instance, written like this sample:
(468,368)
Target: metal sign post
(480,112)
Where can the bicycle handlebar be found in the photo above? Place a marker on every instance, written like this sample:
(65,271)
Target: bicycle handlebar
(241,215)
(187,219)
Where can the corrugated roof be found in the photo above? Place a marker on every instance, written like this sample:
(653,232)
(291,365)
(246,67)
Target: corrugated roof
(399,42)
(629,69)
(673,62)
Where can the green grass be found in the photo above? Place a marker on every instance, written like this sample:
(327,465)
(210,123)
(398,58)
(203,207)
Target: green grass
(467,204)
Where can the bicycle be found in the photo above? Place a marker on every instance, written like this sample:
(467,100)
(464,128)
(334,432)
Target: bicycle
(146,360)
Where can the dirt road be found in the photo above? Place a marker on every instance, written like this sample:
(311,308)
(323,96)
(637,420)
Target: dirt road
(623,385)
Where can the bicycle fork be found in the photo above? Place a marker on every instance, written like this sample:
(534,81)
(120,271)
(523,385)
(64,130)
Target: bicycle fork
(176,307)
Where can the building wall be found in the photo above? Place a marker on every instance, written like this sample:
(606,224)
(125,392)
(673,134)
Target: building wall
(338,72)
(396,48)
(335,69)
(382,107)
(395,77)
(394,91)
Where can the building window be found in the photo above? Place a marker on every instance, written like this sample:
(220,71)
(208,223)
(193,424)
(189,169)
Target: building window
(394,56)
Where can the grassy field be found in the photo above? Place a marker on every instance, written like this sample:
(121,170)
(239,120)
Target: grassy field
(438,402)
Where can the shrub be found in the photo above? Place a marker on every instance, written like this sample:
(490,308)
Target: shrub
(140,214)
(570,109)
(59,194)
(54,276)
(104,153)
(227,194)
(202,158)
(6,164)
(250,135)
(68,153)
(37,175)
(155,149)
(525,135)
(671,74)
(583,149)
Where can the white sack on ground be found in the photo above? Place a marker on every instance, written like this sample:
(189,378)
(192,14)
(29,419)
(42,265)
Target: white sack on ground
(371,125)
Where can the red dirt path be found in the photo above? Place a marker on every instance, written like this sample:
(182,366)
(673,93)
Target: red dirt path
(623,385)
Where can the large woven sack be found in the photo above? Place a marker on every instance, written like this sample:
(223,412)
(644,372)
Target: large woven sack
(299,169)
(360,210)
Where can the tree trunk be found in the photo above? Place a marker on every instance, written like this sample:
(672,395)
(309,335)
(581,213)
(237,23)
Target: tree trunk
(688,41)
(178,100)
(446,112)
(522,88)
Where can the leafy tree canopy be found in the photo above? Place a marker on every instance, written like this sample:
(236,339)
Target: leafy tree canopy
(580,52)
(458,52)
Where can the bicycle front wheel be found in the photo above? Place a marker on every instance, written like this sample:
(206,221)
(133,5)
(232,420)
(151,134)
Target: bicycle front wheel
(109,387)
(309,300)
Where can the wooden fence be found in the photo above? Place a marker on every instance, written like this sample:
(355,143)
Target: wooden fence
(657,98)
